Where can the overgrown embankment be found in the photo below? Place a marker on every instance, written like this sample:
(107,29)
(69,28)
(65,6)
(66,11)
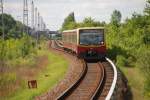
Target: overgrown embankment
(44,66)
(23,58)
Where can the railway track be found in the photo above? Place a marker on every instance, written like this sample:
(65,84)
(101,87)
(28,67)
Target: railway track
(88,87)
(98,81)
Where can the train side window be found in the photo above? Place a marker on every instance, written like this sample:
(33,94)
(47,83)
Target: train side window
(71,38)
(74,38)
(68,38)
(64,37)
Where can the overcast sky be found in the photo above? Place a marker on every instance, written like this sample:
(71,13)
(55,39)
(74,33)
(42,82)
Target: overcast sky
(54,11)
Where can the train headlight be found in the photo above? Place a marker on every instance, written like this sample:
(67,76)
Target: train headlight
(102,43)
(89,52)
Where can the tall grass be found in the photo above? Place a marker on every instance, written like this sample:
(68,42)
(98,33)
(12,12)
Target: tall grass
(14,53)
(13,49)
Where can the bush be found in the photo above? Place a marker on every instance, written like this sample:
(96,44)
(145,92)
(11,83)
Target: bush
(130,61)
(144,64)
(121,61)
(147,88)
(143,61)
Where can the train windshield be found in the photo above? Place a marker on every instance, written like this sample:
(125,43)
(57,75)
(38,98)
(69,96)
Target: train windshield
(91,37)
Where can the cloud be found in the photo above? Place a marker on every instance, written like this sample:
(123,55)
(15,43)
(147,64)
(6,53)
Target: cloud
(54,11)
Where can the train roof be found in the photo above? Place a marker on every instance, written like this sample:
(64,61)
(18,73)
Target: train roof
(83,28)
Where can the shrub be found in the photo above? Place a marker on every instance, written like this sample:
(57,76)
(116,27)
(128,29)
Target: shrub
(143,61)
(144,64)
(130,61)
(147,88)
(121,61)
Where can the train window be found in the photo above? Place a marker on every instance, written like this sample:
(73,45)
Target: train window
(64,37)
(91,37)
(70,37)
(75,38)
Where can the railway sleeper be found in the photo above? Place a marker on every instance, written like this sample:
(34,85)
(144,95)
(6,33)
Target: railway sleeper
(109,73)
(104,94)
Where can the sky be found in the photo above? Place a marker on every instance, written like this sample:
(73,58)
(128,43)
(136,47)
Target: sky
(54,11)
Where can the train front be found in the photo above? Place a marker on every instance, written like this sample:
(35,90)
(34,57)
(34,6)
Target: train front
(92,44)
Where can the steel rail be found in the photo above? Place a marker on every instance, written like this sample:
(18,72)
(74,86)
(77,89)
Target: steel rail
(74,85)
(111,91)
(113,85)
(95,95)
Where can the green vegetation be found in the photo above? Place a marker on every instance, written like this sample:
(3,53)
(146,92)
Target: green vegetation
(12,29)
(22,60)
(136,83)
(128,44)
(55,71)
(16,50)
(70,23)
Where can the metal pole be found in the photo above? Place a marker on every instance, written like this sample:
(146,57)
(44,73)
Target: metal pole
(32,14)
(3,25)
(36,15)
(25,16)
(38,23)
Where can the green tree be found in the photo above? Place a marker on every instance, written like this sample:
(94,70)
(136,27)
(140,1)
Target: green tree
(147,9)
(9,23)
(90,22)
(116,17)
(12,28)
(69,22)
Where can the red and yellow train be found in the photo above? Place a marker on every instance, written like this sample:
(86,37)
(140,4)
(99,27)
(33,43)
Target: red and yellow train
(88,43)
